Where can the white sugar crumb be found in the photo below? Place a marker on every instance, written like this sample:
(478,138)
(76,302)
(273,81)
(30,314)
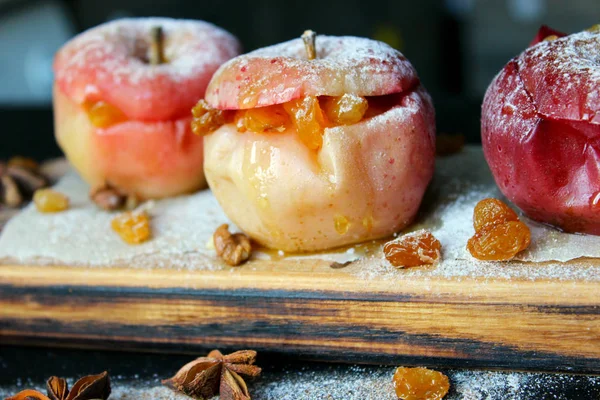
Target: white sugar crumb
(331,382)
(183,229)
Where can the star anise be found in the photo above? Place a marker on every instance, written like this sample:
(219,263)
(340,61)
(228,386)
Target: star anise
(89,387)
(19,179)
(214,374)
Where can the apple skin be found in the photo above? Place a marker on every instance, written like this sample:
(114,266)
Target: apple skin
(153,153)
(285,196)
(280,73)
(541,132)
(152,160)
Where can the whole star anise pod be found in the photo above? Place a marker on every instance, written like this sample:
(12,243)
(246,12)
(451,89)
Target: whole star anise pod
(89,387)
(214,374)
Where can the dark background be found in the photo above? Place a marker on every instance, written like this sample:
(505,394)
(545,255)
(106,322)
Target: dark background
(456,45)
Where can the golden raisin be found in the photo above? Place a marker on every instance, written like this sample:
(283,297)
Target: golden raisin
(48,201)
(132,226)
(420,384)
(308,119)
(207,119)
(413,249)
(265,119)
(490,212)
(103,114)
(500,242)
(344,110)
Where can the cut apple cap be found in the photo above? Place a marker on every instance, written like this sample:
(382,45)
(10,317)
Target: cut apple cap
(280,73)
(562,77)
(106,63)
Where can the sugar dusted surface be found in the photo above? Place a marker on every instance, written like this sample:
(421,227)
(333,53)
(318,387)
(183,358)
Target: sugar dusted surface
(280,73)
(107,63)
(183,226)
(355,382)
(563,76)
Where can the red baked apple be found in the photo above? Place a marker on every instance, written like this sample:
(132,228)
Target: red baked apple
(318,153)
(541,131)
(122,117)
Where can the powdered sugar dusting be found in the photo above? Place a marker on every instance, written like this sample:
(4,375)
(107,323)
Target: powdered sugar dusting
(358,382)
(182,226)
(563,76)
(345,65)
(108,62)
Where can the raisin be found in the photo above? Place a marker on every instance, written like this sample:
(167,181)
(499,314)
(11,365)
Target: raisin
(490,212)
(207,119)
(103,114)
(499,235)
(420,384)
(344,110)
(413,249)
(48,201)
(500,242)
(133,226)
(309,120)
(265,119)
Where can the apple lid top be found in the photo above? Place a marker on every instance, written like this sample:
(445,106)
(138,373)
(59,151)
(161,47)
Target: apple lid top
(562,76)
(283,72)
(109,63)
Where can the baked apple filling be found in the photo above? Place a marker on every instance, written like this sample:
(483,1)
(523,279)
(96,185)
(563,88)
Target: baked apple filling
(103,114)
(309,116)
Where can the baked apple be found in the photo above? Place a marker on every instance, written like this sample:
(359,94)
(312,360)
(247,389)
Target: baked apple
(122,97)
(540,130)
(311,153)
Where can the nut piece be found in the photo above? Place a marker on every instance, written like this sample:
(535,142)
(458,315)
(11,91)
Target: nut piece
(11,196)
(108,197)
(234,249)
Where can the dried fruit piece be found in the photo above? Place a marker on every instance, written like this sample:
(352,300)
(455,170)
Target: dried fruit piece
(48,201)
(234,249)
(207,119)
(594,29)
(500,242)
(413,249)
(28,394)
(103,114)
(499,235)
(265,119)
(490,212)
(420,384)
(308,119)
(344,110)
(132,226)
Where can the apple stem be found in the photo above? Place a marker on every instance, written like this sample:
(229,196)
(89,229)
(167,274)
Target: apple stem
(156,46)
(309,38)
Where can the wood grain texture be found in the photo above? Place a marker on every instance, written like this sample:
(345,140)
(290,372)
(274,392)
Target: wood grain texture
(307,308)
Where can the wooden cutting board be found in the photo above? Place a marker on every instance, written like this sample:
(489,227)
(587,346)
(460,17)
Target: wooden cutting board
(312,308)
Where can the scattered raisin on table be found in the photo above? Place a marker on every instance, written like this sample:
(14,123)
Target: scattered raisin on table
(132,226)
(413,249)
(499,234)
(48,201)
(420,384)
